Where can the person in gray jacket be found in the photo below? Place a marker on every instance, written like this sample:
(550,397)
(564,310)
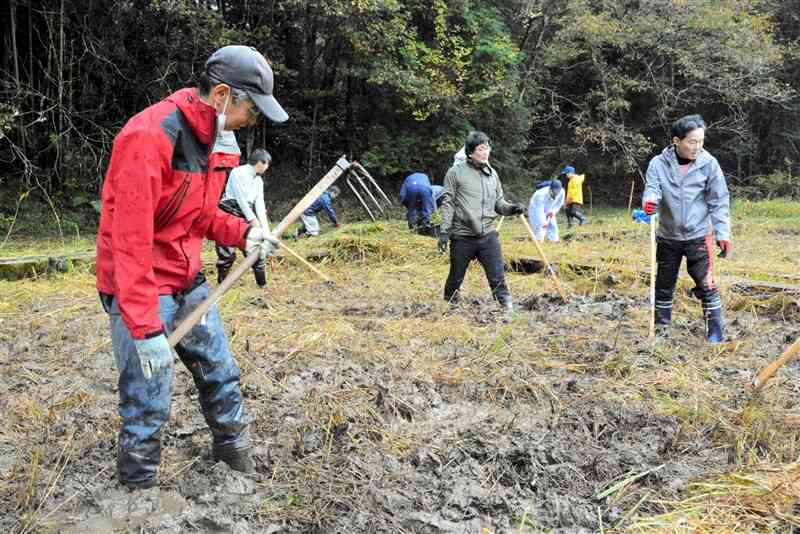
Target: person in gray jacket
(685,185)
(472,200)
(244,197)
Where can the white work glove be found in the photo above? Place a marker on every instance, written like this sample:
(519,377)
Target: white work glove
(154,353)
(257,241)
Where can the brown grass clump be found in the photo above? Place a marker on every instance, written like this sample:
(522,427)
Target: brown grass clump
(763,498)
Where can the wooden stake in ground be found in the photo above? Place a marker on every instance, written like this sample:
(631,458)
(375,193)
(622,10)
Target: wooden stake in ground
(194,317)
(299,258)
(770,370)
(544,259)
(630,199)
(653,276)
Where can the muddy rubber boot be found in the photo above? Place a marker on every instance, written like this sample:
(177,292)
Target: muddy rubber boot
(715,326)
(237,459)
(663,316)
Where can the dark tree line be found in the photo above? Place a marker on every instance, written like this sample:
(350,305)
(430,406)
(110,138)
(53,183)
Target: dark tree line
(397,84)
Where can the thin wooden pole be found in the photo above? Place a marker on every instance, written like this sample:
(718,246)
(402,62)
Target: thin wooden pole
(653,276)
(630,199)
(299,258)
(194,317)
(500,224)
(544,258)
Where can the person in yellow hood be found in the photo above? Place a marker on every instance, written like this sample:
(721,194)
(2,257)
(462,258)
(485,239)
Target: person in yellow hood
(574,200)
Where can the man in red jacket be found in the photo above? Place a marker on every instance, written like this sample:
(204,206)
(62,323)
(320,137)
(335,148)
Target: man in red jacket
(159,202)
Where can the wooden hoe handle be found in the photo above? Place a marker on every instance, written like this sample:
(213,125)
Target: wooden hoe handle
(194,317)
(556,281)
(770,370)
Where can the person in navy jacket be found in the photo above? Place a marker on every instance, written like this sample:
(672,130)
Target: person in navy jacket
(324,203)
(416,194)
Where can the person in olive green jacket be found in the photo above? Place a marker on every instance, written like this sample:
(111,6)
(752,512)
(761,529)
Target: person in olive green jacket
(472,200)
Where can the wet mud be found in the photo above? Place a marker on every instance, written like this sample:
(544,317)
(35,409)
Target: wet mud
(352,442)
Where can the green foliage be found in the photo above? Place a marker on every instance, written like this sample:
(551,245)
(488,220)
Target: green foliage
(780,183)
(398,84)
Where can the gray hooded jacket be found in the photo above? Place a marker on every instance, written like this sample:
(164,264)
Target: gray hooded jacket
(687,203)
(472,200)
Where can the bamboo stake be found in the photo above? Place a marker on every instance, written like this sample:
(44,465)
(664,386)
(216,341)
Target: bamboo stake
(194,317)
(630,199)
(770,370)
(544,258)
(298,257)
(652,276)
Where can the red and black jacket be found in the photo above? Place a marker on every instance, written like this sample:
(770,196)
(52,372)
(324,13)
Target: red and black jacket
(159,201)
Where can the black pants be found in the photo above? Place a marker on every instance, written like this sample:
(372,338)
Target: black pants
(225,258)
(699,264)
(573,211)
(487,251)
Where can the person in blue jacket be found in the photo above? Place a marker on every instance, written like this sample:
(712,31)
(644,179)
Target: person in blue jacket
(324,203)
(416,195)
(686,187)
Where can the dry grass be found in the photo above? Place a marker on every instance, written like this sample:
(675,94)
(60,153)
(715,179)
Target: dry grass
(357,366)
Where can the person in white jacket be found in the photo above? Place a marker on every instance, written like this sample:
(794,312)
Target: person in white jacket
(244,197)
(542,209)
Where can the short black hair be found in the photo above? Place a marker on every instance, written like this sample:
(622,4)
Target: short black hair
(684,125)
(259,155)
(474,140)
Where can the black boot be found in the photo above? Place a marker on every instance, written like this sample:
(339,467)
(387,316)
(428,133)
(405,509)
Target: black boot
(237,459)
(715,326)
(663,317)
(261,277)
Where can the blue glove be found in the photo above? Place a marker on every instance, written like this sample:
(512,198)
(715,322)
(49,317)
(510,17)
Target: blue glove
(154,353)
(640,216)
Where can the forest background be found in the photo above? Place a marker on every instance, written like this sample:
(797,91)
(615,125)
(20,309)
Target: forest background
(398,84)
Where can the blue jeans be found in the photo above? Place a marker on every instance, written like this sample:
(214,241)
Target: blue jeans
(145,405)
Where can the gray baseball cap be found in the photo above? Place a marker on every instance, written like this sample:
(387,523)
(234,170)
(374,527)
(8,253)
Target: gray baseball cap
(244,68)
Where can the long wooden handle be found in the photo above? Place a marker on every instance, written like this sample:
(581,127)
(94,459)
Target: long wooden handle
(770,370)
(652,276)
(298,257)
(544,258)
(500,224)
(194,317)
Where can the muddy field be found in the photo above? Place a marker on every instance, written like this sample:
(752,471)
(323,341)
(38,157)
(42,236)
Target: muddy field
(376,407)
